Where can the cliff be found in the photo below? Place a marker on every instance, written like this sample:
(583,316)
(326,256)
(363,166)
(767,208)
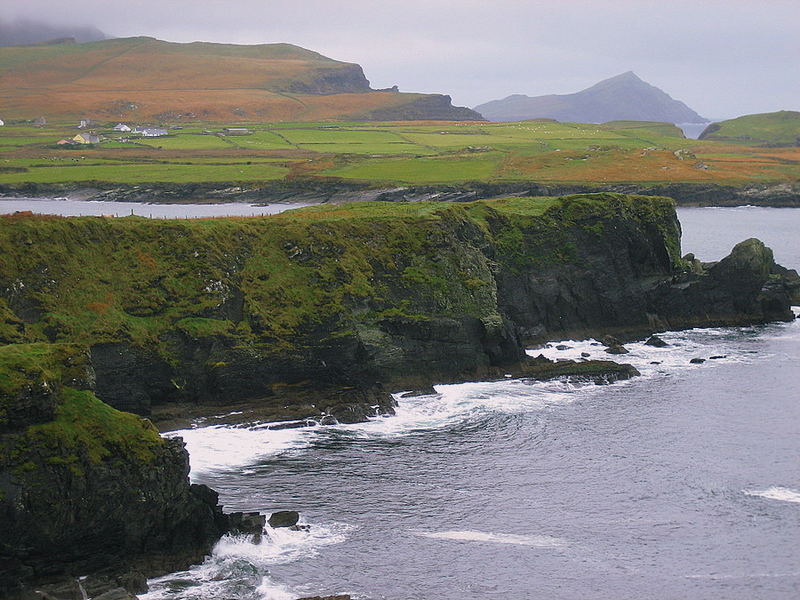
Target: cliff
(431,107)
(300,315)
(623,97)
(84,487)
(145,79)
(322,311)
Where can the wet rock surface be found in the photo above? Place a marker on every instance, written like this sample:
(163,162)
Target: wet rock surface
(283,518)
(87,490)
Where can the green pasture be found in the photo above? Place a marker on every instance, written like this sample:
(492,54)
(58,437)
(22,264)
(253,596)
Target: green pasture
(401,152)
(437,169)
(133,173)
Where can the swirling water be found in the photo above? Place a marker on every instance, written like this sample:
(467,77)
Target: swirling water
(682,483)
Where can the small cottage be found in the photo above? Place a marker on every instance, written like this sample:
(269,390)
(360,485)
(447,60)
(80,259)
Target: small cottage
(86,138)
(153,132)
(236,131)
(121,127)
(1,122)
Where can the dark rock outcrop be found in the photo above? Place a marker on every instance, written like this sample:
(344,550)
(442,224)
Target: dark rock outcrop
(332,190)
(617,349)
(342,78)
(283,518)
(656,342)
(85,488)
(431,107)
(314,316)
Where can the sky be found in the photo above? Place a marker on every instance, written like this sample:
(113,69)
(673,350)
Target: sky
(723,58)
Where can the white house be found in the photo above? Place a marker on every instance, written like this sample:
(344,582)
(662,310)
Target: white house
(1,122)
(153,132)
(121,127)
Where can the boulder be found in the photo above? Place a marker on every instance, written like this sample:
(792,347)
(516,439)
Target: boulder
(656,341)
(697,361)
(283,518)
(617,349)
(246,523)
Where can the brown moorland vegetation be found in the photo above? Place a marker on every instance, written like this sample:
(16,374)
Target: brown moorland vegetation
(147,79)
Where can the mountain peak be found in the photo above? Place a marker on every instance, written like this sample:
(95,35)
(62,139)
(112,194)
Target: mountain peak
(623,97)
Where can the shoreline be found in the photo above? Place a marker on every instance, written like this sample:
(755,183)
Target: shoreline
(309,191)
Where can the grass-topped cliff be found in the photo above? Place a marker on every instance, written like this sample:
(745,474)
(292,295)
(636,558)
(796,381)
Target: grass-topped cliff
(142,78)
(83,486)
(307,311)
(777,129)
(313,312)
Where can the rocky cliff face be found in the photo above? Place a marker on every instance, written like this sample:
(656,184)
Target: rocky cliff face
(431,107)
(306,314)
(325,310)
(341,79)
(84,487)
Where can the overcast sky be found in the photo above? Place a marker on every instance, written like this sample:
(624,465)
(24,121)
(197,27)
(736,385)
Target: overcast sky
(723,58)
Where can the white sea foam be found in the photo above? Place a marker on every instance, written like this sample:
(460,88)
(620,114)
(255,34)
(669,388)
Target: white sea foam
(540,541)
(777,493)
(219,447)
(650,360)
(239,568)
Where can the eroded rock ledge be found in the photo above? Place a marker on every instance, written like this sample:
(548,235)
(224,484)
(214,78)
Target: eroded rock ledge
(86,489)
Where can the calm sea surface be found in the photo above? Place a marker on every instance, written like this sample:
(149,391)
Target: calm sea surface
(680,484)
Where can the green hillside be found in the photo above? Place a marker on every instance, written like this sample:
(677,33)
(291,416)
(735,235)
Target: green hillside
(777,129)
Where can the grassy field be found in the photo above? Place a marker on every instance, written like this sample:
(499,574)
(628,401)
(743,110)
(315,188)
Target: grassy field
(391,153)
(780,128)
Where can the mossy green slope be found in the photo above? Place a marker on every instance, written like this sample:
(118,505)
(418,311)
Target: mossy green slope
(777,129)
(97,280)
(319,298)
(84,486)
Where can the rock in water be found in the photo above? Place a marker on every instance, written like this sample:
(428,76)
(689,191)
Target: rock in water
(283,518)
(249,523)
(617,349)
(697,361)
(610,340)
(656,341)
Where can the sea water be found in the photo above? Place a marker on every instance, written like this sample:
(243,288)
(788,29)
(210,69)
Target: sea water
(681,483)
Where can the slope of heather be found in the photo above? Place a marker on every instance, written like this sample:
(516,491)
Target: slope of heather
(775,129)
(144,78)
(624,97)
